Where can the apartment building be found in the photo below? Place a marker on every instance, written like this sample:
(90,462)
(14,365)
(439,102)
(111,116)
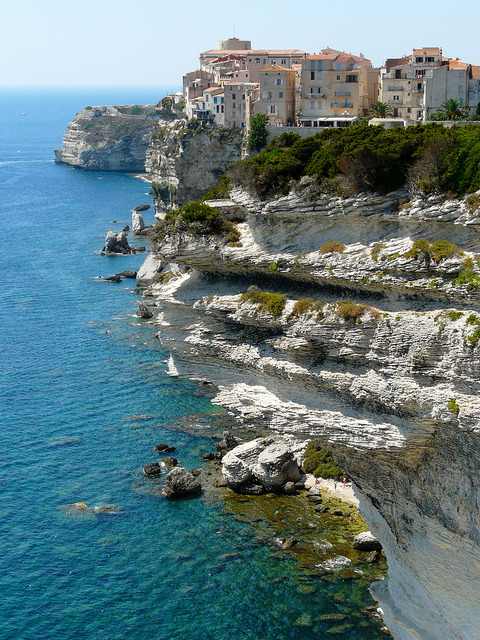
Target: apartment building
(336,88)
(276,95)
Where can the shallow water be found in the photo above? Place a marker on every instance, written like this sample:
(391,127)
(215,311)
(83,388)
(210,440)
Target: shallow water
(84,398)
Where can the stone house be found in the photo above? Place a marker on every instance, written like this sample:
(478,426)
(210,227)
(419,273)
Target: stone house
(276,95)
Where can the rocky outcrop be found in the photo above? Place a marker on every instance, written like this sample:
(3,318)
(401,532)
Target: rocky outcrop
(265,462)
(116,243)
(108,138)
(367,347)
(138,225)
(185,160)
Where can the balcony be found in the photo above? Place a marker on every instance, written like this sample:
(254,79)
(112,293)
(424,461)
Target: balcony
(400,88)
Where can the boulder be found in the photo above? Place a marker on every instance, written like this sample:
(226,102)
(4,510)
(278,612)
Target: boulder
(138,225)
(116,243)
(126,229)
(122,240)
(276,466)
(129,273)
(142,207)
(170,462)
(143,311)
(180,483)
(110,241)
(366,542)
(152,469)
(115,278)
(238,463)
(289,488)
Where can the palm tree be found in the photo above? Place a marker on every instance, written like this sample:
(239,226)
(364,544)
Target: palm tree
(452,109)
(381,110)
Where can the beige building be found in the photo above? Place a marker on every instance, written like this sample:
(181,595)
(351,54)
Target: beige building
(336,88)
(402,84)
(276,95)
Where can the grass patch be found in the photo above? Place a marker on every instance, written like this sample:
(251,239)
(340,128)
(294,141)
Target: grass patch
(274,303)
(475,337)
(302,306)
(469,277)
(454,315)
(436,251)
(332,247)
(220,191)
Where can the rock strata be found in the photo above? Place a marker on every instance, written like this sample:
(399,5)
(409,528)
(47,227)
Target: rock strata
(368,347)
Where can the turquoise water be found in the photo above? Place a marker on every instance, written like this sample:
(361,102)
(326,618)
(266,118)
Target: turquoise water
(84,398)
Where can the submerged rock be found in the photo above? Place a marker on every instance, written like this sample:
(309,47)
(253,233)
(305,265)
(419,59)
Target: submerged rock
(180,483)
(170,462)
(164,448)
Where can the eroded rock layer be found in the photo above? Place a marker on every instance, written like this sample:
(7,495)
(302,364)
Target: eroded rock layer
(108,138)
(352,335)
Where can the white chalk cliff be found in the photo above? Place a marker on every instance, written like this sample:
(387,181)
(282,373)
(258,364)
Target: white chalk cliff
(390,381)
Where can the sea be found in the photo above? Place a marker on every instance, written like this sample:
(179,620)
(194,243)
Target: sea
(84,398)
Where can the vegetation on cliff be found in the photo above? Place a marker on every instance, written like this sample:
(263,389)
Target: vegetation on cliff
(428,158)
(198,219)
(320,463)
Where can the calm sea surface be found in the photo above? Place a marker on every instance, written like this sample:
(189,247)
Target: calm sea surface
(84,397)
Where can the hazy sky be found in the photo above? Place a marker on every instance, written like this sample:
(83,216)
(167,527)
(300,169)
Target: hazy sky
(154,42)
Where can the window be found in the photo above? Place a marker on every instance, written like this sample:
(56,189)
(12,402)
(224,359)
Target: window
(338,77)
(257,60)
(269,95)
(460,88)
(272,109)
(312,105)
(274,62)
(234,96)
(280,94)
(319,105)
(419,59)
(429,59)
(312,65)
(339,66)
(351,79)
(223,108)
(233,114)
(215,101)
(243,96)
(312,75)
(278,82)
(319,65)
(283,61)
(233,106)
(319,75)
(398,73)
(319,89)
(461,74)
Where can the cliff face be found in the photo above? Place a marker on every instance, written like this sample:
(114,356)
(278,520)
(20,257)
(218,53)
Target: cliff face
(370,346)
(185,160)
(108,139)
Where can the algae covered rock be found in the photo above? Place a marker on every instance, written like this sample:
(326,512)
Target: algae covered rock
(366,542)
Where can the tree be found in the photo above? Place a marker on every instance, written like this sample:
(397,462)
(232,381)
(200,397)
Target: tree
(381,110)
(452,110)
(257,138)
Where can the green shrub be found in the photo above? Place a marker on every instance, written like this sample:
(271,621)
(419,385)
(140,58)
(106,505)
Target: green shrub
(197,218)
(454,315)
(350,310)
(274,303)
(475,337)
(320,463)
(273,266)
(375,252)
(453,406)
(469,277)
(222,190)
(438,251)
(473,202)
(302,306)
(332,247)
(472,319)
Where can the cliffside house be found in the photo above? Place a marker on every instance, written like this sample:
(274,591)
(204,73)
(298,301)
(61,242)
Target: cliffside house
(276,95)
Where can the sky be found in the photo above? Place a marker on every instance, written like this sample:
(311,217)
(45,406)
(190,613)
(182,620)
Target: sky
(145,43)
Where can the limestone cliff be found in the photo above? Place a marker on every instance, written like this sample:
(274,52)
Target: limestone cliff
(108,138)
(369,338)
(184,160)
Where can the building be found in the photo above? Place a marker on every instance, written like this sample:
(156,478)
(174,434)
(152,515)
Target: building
(336,88)
(276,95)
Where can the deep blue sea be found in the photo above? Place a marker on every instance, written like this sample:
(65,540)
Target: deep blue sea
(84,397)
